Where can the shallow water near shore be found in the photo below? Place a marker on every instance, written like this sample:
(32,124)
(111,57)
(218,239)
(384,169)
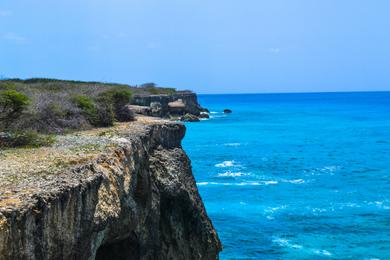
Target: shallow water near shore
(296,176)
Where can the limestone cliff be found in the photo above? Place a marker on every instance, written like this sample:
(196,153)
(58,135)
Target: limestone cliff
(134,199)
(164,105)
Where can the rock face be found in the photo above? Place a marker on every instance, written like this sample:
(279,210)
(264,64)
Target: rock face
(170,105)
(189,118)
(138,201)
(227,111)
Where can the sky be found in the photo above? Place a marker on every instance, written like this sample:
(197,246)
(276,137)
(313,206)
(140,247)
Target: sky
(209,46)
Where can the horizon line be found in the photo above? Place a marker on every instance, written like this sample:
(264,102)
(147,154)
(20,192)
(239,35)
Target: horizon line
(298,92)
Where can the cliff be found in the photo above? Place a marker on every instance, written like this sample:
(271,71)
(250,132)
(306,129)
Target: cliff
(177,104)
(125,192)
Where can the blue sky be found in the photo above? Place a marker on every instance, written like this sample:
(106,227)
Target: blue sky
(218,46)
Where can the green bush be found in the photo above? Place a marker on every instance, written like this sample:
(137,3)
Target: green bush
(105,115)
(83,102)
(28,139)
(99,112)
(117,99)
(88,108)
(12,104)
(56,110)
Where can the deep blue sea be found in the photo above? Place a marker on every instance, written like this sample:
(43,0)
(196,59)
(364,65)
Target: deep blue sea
(296,176)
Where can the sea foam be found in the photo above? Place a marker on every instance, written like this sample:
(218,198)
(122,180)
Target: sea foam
(231,174)
(225,164)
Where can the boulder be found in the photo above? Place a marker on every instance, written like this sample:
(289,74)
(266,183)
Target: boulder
(189,118)
(141,110)
(204,115)
(157,109)
(227,111)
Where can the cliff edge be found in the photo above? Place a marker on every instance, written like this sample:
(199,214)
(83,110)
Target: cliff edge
(125,192)
(166,106)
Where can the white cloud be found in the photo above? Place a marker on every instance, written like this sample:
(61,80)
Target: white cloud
(274,50)
(14,37)
(4,13)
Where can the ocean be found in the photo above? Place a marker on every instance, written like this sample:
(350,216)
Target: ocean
(296,176)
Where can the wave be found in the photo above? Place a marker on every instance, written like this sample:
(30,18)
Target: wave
(321,252)
(232,144)
(238,184)
(297,181)
(331,170)
(231,174)
(225,164)
(286,243)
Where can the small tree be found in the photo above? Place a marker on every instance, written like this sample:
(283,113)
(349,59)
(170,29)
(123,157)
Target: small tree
(118,100)
(12,104)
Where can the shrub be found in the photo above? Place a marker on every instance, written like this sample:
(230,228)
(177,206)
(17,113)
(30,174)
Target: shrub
(12,104)
(83,102)
(25,139)
(88,108)
(105,115)
(153,89)
(56,110)
(125,114)
(117,99)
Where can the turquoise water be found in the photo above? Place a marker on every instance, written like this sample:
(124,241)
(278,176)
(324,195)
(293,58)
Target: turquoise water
(296,176)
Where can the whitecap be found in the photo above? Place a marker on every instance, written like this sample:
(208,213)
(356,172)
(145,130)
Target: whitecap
(330,169)
(322,252)
(238,183)
(231,174)
(270,182)
(297,181)
(274,209)
(232,144)
(247,184)
(225,164)
(286,243)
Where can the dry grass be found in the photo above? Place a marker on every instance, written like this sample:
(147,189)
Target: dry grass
(21,166)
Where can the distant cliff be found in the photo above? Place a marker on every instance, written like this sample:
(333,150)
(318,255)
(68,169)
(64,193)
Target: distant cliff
(122,193)
(177,104)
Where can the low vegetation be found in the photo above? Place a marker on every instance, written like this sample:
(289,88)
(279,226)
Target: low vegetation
(154,90)
(25,139)
(32,110)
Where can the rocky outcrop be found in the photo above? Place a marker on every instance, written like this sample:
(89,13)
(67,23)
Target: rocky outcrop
(189,118)
(138,200)
(177,104)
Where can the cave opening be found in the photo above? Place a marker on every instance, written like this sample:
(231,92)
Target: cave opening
(122,250)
